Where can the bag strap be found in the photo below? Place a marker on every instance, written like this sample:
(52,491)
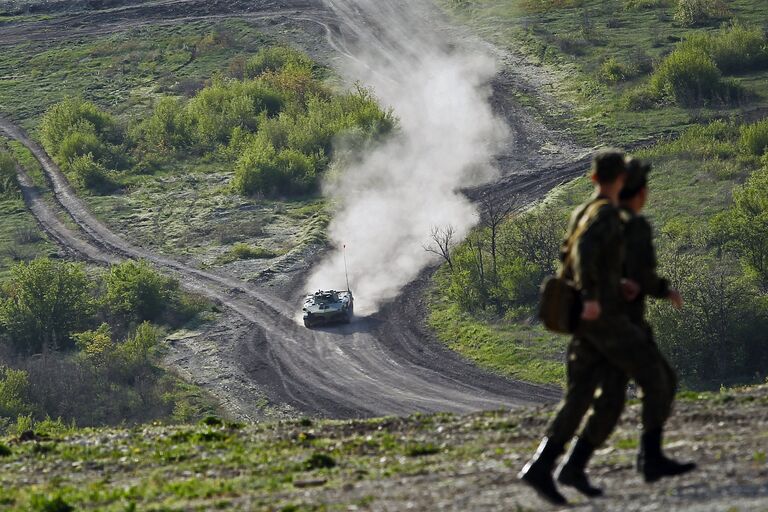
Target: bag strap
(581,226)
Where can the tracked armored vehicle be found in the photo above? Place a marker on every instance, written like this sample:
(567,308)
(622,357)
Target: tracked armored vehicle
(328,307)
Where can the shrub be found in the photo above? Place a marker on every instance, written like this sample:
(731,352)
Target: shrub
(75,115)
(92,175)
(734,49)
(242,251)
(8,182)
(96,346)
(79,144)
(640,98)
(699,12)
(276,58)
(263,170)
(167,129)
(613,71)
(754,137)
(690,77)
(135,354)
(225,105)
(45,302)
(645,4)
(14,386)
(137,291)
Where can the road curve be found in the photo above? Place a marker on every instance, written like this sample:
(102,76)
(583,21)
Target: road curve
(354,371)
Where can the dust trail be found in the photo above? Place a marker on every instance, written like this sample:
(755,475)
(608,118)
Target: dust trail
(390,198)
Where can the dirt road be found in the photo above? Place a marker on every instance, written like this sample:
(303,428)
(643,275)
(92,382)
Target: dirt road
(383,365)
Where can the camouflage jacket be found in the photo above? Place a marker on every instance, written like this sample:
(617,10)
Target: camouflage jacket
(640,263)
(597,259)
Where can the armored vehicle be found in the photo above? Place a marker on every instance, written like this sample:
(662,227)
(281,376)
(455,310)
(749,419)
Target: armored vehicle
(328,307)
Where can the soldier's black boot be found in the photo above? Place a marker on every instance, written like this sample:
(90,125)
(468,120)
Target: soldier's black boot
(572,471)
(538,472)
(653,464)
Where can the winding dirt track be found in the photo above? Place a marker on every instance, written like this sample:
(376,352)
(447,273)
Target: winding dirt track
(383,365)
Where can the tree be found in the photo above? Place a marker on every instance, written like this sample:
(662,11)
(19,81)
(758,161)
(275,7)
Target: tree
(442,243)
(494,210)
(745,225)
(137,291)
(45,302)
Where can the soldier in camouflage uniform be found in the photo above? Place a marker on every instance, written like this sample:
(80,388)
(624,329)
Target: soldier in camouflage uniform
(640,267)
(606,348)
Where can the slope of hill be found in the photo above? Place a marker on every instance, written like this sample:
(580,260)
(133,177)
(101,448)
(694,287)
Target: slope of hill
(421,462)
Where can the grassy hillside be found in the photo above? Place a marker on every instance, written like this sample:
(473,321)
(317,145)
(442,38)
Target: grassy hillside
(418,462)
(601,55)
(491,318)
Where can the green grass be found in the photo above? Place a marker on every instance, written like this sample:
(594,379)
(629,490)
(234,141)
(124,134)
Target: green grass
(121,72)
(573,43)
(525,352)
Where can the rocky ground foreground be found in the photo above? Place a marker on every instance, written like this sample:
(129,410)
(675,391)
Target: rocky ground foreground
(434,462)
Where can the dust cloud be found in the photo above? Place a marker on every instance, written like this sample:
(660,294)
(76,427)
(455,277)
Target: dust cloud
(390,198)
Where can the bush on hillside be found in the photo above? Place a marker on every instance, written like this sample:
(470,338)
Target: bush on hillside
(754,137)
(276,58)
(225,105)
(263,170)
(92,175)
(689,77)
(44,303)
(8,184)
(76,115)
(735,49)
(137,291)
(14,392)
(613,71)
(646,4)
(700,12)
(167,129)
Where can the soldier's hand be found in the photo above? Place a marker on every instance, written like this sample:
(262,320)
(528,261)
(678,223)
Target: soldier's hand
(676,299)
(591,310)
(629,289)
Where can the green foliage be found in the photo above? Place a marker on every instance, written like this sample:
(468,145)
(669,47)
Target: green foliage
(241,251)
(5,451)
(700,12)
(613,71)
(75,115)
(47,503)
(8,183)
(504,274)
(136,290)
(276,58)
(690,77)
(754,137)
(637,99)
(734,49)
(645,4)
(92,175)
(745,226)
(167,129)
(136,352)
(44,303)
(96,346)
(717,337)
(263,170)
(14,392)
(290,152)
(225,105)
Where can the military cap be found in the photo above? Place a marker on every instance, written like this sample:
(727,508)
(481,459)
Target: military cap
(637,178)
(607,165)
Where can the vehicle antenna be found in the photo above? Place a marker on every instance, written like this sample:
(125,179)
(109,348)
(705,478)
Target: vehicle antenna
(346,273)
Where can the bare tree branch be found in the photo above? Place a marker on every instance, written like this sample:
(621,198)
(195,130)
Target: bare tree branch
(442,243)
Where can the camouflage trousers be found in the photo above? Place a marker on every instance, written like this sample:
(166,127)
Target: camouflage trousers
(602,357)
